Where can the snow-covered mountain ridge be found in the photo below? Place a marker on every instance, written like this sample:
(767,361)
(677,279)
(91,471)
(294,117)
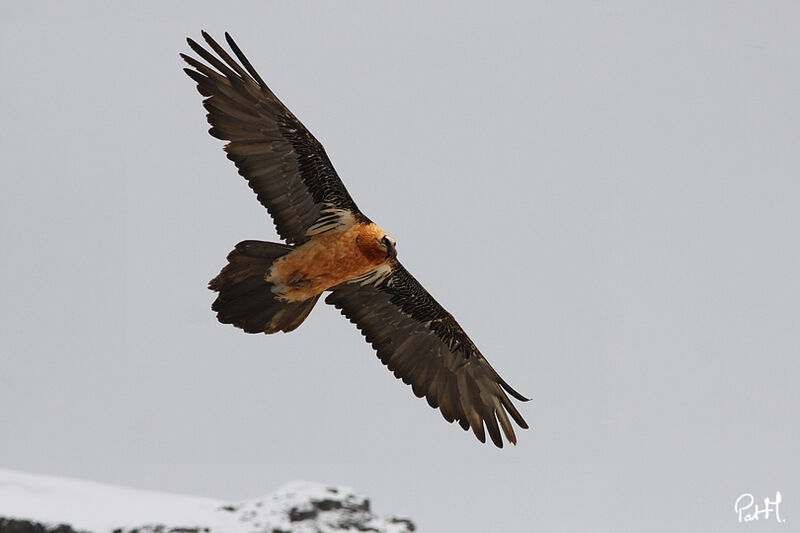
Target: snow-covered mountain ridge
(27,500)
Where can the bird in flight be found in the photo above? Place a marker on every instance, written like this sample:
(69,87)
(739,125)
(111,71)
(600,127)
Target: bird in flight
(332,246)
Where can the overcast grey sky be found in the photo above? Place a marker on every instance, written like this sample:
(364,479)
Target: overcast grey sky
(605,195)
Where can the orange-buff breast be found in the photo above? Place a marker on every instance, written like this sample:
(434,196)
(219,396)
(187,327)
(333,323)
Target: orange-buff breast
(327,260)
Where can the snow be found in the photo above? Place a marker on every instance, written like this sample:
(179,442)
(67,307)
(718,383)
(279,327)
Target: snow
(95,506)
(298,507)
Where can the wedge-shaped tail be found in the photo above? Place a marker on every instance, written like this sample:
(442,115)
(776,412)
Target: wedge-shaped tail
(245,297)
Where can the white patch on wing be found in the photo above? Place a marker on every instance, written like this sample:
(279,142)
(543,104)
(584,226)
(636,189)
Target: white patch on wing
(374,276)
(331,218)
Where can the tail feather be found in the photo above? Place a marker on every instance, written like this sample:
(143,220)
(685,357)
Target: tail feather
(245,297)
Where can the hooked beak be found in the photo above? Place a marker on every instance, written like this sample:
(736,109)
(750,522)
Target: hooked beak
(391,251)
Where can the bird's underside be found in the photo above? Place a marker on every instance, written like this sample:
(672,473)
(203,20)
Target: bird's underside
(332,246)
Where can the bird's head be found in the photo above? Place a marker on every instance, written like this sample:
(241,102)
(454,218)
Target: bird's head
(375,243)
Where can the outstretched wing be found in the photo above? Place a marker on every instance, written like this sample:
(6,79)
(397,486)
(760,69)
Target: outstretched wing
(283,163)
(425,347)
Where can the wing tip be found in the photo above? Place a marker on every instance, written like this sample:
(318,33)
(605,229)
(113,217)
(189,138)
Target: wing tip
(509,389)
(193,44)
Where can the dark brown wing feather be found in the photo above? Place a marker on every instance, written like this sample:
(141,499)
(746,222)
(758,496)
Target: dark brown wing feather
(283,163)
(425,347)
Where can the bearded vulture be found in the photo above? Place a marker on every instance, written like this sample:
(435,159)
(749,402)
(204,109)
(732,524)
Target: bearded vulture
(332,246)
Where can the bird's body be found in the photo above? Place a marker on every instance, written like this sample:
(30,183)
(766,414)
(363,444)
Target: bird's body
(327,260)
(332,246)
